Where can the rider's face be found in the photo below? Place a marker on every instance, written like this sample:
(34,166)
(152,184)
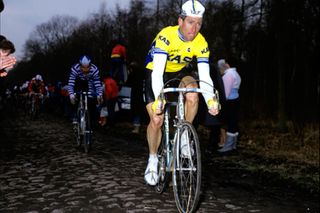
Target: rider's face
(85,69)
(190,27)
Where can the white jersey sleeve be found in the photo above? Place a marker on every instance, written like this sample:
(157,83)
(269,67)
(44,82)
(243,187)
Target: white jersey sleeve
(159,63)
(204,75)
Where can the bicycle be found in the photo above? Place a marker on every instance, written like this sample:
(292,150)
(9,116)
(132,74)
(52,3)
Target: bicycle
(34,104)
(82,127)
(186,170)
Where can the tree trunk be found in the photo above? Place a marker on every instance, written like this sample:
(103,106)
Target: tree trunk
(281,85)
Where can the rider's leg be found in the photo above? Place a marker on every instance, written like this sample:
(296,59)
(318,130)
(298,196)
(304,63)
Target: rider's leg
(191,109)
(154,130)
(154,139)
(191,106)
(191,99)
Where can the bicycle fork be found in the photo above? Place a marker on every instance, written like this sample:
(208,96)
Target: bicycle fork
(168,143)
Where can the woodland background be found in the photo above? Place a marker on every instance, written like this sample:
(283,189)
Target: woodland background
(274,44)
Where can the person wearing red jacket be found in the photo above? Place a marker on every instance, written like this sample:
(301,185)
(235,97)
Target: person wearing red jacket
(118,63)
(110,96)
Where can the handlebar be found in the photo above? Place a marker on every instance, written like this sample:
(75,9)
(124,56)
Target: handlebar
(214,94)
(90,94)
(36,94)
(198,90)
(83,93)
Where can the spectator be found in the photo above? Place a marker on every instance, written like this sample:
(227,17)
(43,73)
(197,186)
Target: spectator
(213,123)
(66,105)
(7,61)
(118,63)
(135,81)
(1,6)
(230,130)
(110,97)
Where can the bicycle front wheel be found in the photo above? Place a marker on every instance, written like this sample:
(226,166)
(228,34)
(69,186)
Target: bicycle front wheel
(77,131)
(87,134)
(186,174)
(33,109)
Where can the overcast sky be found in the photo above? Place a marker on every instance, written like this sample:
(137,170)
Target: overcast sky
(20,17)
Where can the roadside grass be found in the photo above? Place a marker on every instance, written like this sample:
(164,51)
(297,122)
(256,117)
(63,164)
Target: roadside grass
(301,147)
(293,154)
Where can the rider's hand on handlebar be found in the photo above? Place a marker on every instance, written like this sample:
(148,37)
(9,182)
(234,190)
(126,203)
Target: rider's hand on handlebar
(213,106)
(158,105)
(72,99)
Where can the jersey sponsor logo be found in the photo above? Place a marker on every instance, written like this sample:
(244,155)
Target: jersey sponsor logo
(174,51)
(178,59)
(205,50)
(165,40)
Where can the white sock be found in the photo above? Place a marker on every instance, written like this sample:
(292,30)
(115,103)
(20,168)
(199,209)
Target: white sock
(153,157)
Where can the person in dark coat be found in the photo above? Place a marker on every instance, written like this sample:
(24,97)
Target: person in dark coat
(135,81)
(213,122)
(1,6)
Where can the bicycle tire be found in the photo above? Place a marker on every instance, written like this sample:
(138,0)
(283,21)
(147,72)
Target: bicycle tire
(33,109)
(162,167)
(186,173)
(77,130)
(87,135)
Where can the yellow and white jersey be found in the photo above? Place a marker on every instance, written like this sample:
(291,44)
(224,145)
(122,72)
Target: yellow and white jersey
(179,52)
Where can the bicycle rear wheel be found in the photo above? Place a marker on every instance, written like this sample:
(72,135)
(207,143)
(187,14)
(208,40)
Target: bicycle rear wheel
(87,133)
(186,174)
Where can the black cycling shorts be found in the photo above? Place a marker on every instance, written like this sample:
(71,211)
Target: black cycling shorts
(170,79)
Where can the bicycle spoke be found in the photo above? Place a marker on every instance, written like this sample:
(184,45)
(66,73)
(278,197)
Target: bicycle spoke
(187,171)
(86,132)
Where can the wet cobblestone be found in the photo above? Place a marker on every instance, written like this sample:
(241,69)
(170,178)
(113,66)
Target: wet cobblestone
(41,171)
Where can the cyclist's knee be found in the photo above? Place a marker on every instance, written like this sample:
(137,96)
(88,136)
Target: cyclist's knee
(188,82)
(192,98)
(156,122)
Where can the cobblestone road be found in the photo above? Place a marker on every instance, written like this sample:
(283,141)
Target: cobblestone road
(41,171)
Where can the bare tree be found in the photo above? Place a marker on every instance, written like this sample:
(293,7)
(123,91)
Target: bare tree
(53,33)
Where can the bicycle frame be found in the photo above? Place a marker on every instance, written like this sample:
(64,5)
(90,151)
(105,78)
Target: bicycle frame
(83,105)
(35,104)
(83,129)
(180,116)
(181,158)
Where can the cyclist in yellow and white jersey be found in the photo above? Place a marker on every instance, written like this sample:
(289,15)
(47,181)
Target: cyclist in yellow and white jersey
(173,48)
